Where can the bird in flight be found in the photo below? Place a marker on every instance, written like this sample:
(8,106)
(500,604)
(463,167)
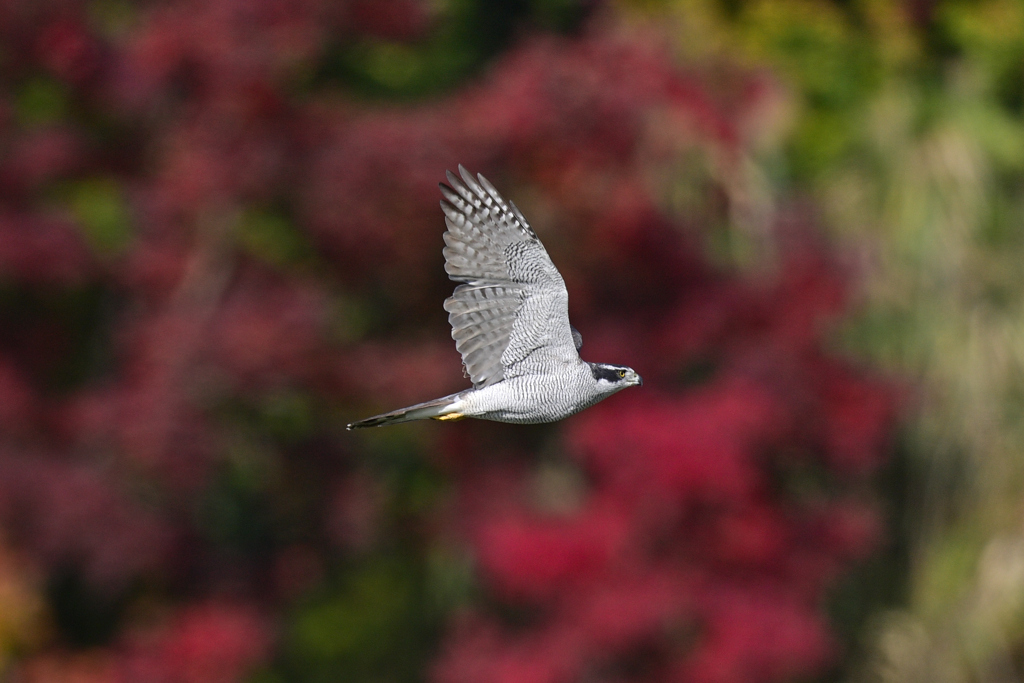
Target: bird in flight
(510,320)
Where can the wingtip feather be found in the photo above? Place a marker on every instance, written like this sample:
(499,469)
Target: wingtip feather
(470,181)
(486,184)
(451,211)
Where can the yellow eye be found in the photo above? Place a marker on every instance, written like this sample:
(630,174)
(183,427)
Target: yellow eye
(622,374)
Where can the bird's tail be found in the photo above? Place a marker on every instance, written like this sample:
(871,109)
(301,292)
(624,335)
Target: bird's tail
(438,409)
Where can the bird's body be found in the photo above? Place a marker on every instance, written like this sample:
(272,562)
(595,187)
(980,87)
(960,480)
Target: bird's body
(562,393)
(510,321)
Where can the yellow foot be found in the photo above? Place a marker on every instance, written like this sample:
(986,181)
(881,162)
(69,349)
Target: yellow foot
(450,417)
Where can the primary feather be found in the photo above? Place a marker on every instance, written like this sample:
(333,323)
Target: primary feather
(513,303)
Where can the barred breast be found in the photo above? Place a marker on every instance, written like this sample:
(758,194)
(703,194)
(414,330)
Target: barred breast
(531,399)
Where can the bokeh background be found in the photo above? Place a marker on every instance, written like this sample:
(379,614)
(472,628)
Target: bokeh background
(799,220)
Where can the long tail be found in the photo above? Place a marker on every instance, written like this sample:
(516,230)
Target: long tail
(438,409)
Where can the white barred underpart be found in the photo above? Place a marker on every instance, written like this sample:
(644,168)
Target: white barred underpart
(509,318)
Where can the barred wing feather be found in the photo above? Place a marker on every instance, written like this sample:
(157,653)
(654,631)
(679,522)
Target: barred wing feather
(512,307)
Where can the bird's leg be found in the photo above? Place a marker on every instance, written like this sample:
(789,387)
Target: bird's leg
(450,417)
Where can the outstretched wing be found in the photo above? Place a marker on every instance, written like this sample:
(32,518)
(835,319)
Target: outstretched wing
(511,315)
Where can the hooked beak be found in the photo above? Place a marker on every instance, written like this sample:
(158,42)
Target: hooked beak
(637,379)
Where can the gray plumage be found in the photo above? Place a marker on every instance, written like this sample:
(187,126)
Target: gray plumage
(510,320)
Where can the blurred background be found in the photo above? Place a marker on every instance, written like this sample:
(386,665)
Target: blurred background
(220,241)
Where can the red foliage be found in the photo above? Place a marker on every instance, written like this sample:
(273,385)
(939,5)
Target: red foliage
(67,48)
(42,249)
(76,514)
(206,643)
(38,157)
(396,19)
(690,555)
(531,558)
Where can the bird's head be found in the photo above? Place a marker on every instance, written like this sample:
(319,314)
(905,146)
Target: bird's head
(612,378)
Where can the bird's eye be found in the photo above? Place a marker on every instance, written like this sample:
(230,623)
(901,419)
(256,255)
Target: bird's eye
(622,374)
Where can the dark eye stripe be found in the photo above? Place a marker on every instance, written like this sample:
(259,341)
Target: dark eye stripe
(607,373)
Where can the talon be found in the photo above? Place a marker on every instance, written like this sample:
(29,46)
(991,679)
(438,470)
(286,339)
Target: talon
(450,417)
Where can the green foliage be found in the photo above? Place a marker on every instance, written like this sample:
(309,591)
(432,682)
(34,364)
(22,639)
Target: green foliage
(368,623)
(41,101)
(464,36)
(102,212)
(908,132)
(272,238)
(826,59)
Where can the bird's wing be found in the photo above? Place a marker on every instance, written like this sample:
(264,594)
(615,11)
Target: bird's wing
(512,307)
